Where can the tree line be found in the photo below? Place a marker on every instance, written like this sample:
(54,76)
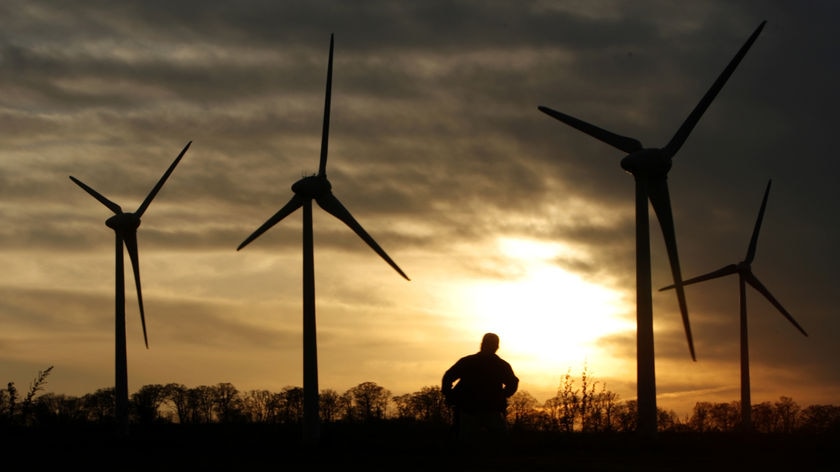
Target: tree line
(582,405)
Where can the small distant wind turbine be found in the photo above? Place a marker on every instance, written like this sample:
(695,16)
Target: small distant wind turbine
(125,228)
(318,188)
(746,276)
(650,167)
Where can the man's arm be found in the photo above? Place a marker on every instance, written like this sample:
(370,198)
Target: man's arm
(449,378)
(446,382)
(511,383)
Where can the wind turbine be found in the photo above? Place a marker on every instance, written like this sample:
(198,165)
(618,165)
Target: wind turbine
(650,167)
(746,276)
(316,187)
(125,228)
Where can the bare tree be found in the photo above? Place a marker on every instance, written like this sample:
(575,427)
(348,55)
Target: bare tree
(668,420)
(178,396)
(146,402)
(428,405)
(8,400)
(291,405)
(333,406)
(227,403)
(725,416)
(200,405)
(405,408)
(787,413)
(701,417)
(585,406)
(820,419)
(369,401)
(626,416)
(258,406)
(58,408)
(763,417)
(568,402)
(100,405)
(521,408)
(553,409)
(603,410)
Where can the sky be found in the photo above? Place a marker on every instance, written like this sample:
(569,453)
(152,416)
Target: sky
(504,219)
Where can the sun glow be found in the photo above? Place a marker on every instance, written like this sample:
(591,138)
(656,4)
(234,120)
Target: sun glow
(549,319)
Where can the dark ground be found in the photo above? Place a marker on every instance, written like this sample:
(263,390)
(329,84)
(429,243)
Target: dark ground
(405,448)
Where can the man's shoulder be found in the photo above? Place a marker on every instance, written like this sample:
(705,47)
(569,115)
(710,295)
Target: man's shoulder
(498,359)
(505,365)
(462,361)
(470,357)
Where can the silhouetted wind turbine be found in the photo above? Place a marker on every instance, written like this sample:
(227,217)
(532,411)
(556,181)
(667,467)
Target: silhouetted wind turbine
(318,188)
(125,228)
(650,167)
(746,276)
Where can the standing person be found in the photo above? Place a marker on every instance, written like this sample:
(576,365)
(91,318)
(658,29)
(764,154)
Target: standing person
(478,386)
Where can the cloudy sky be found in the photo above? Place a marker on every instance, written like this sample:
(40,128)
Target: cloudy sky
(504,219)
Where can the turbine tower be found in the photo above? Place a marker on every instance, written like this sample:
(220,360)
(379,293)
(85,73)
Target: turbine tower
(649,167)
(746,276)
(316,187)
(125,229)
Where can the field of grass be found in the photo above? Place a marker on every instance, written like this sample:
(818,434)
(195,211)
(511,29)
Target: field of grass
(407,448)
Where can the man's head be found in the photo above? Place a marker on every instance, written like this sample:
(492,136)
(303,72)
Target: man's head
(490,343)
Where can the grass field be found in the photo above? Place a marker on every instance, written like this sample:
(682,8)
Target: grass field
(406,448)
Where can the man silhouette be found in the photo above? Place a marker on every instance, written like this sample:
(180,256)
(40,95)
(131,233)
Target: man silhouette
(477,386)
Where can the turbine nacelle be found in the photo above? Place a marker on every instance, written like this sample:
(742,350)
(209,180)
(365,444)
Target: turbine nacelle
(313,186)
(123,222)
(653,162)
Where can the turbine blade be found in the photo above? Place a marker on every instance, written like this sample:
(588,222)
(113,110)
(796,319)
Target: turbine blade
(723,271)
(108,203)
(754,239)
(325,132)
(292,205)
(332,206)
(692,119)
(628,145)
(130,241)
(160,183)
(657,191)
(756,284)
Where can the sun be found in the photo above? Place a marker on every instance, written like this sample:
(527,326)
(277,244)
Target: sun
(549,319)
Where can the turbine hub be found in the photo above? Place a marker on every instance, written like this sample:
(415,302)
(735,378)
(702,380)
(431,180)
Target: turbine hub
(651,162)
(312,186)
(123,221)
